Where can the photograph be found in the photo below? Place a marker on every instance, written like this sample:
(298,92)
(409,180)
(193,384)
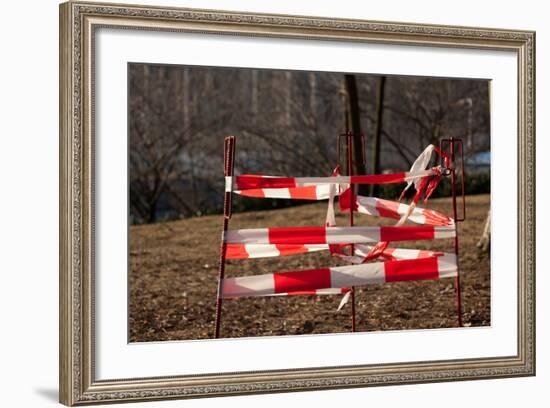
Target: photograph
(267,202)
(274,204)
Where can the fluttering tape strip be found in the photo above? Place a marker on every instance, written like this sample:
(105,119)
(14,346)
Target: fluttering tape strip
(326,291)
(379,207)
(255,182)
(431,268)
(246,251)
(400,264)
(338,235)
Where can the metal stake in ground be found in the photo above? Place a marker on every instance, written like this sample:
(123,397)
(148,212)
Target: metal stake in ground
(228,164)
(349,148)
(452,142)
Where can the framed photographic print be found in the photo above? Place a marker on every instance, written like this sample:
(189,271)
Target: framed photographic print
(258,203)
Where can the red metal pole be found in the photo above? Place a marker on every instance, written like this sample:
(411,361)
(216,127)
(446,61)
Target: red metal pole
(349,144)
(453,189)
(228,164)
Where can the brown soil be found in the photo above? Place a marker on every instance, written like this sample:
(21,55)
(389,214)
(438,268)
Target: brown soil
(174,269)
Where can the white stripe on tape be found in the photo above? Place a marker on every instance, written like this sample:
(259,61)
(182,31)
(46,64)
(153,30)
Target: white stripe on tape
(228,184)
(400,253)
(314,181)
(447,265)
(247,236)
(442,232)
(367,205)
(244,286)
(276,192)
(356,275)
(261,250)
(350,235)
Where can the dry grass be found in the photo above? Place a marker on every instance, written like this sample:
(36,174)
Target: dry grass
(174,267)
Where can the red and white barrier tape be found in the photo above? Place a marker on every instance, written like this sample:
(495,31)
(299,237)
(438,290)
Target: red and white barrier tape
(419,164)
(374,206)
(361,252)
(326,291)
(315,188)
(392,209)
(430,268)
(246,251)
(255,182)
(320,192)
(243,251)
(338,235)
(401,264)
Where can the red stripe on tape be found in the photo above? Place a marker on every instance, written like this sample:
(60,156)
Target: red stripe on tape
(300,281)
(236,251)
(425,254)
(411,269)
(435,218)
(379,178)
(302,292)
(406,233)
(285,249)
(303,193)
(388,253)
(298,235)
(253,193)
(247,182)
(346,199)
(388,209)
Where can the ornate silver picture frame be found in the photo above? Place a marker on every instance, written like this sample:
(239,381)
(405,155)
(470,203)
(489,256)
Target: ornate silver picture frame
(79,23)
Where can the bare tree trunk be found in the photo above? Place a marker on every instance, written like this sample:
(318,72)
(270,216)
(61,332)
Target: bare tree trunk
(254,94)
(186,98)
(288,98)
(152,214)
(177,77)
(312,79)
(378,133)
(146,79)
(484,242)
(354,119)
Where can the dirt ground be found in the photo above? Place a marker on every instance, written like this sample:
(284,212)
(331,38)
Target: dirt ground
(174,268)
